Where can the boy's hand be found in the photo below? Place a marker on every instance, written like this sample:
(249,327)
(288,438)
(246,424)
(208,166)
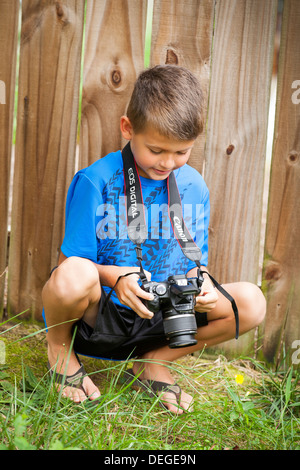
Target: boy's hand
(130,294)
(208,297)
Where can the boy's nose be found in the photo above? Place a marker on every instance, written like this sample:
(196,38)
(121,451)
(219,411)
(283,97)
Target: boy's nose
(167,163)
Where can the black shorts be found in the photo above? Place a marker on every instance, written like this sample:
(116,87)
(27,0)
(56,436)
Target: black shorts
(121,334)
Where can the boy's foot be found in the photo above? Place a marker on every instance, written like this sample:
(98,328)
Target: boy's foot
(174,402)
(84,389)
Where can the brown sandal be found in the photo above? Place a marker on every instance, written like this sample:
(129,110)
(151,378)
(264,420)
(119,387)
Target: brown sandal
(153,388)
(74,380)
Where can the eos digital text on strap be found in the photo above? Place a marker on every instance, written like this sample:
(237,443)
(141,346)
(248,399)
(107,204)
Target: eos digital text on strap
(138,231)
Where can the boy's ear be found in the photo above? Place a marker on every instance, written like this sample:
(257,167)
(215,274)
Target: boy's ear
(126,128)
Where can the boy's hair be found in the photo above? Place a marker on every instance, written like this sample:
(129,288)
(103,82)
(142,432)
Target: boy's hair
(169,99)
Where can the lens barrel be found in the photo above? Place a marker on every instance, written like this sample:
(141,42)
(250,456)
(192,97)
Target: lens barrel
(180,329)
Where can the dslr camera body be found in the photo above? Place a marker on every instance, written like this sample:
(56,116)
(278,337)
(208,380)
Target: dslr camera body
(176,299)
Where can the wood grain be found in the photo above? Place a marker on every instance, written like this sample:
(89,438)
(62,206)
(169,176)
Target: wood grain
(8,46)
(236,142)
(50,52)
(236,137)
(182,34)
(114,55)
(282,250)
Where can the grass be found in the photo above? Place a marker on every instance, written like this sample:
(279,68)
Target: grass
(262,412)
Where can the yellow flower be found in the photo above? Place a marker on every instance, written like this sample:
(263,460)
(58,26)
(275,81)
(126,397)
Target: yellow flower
(239,378)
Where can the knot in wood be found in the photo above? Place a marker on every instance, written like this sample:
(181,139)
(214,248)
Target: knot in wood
(61,14)
(293,157)
(273,271)
(59,9)
(230,149)
(116,77)
(171,57)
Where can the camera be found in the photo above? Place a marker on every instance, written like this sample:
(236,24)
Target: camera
(176,299)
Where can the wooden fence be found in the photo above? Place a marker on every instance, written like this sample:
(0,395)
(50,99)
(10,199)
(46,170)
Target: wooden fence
(85,55)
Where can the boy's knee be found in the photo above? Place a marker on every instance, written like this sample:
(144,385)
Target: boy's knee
(73,279)
(253,303)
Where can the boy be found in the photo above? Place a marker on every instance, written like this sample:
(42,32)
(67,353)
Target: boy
(163,120)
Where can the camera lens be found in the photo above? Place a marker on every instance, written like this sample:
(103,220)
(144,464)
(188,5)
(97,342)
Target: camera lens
(180,330)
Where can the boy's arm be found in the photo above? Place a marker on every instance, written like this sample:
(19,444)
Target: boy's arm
(208,297)
(127,288)
(109,274)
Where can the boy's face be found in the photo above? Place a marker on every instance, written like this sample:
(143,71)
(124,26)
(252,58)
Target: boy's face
(156,156)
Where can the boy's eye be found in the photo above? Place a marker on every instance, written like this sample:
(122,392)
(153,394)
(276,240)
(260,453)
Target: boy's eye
(155,152)
(158,152)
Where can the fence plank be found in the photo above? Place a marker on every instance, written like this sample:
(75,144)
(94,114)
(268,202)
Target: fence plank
(182,34)
(236,141)
(8,47)
(282,251)
(51,39)
(237,128)
(114,55)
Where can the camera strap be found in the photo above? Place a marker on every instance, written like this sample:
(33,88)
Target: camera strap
(137,228)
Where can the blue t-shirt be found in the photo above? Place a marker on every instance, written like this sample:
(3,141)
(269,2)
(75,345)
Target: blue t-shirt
(95,225)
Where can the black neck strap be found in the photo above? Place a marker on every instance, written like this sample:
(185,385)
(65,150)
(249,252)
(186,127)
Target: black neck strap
(136,223)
